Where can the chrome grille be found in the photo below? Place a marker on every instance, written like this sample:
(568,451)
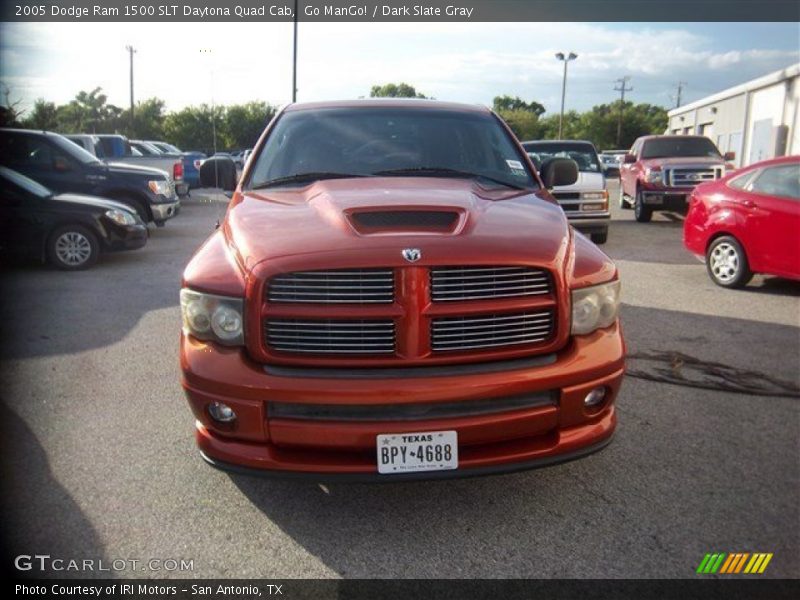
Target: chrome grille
(330,337)
(490,331)
(690,177)
(476,283)
(352,286)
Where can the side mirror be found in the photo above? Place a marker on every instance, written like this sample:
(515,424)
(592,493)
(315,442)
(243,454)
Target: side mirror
(729,156)
(218,172)
(61,164)
(629,159)
(559,171)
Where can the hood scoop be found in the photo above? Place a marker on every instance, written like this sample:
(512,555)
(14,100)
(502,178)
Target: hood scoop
(401,220)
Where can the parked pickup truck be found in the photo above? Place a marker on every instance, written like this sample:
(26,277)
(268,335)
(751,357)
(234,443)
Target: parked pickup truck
(394,294)
(660,172)
(64,167)
(586,201)
(117,148)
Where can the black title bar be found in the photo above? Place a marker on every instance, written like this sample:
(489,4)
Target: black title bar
(400,10)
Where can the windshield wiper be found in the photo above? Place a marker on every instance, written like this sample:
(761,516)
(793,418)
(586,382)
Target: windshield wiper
(446,172)
(304,178)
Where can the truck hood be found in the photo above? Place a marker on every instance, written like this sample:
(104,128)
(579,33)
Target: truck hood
(92,202)
(683,161)
(319,224)
(128,169)
(587,182)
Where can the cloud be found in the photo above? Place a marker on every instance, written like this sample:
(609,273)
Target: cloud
(469,62)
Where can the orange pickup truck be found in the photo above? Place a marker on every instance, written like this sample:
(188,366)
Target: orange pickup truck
(394,294)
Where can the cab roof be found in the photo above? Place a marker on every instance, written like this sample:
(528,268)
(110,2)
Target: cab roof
(389,103)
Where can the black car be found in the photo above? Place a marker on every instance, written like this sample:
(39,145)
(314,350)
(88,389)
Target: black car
(62,166)
(68,230)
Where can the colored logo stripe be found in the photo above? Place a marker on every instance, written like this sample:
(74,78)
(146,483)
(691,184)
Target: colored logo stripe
(720,562)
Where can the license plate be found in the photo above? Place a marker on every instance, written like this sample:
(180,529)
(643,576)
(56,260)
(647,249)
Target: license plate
(413,452)
(654,199)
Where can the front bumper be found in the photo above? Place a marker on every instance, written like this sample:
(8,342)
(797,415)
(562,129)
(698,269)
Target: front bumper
(332,450)
(673,199)
(166,210)
(129,237)
(590,222)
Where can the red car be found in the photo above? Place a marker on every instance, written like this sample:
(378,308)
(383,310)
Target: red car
(748,222)
(394,294)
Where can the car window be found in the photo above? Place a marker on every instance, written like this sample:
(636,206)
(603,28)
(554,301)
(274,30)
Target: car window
(364,141)
(583,154)
(665,147)
(26,151)
(783,181)
(740,182)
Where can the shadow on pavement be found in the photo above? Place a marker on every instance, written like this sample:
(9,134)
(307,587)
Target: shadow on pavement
(39,515)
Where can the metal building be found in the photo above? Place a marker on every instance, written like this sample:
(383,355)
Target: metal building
(757,120)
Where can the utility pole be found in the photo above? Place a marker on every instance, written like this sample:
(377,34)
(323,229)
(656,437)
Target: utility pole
(131,51)
(680,91)
(294,57)
(565,59)
(622,88)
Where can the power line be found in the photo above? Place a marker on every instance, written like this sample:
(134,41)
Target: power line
(622,87)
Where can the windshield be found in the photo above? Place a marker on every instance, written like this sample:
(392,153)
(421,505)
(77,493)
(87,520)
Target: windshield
(679,146)
(392,141)
(19,180)
(73,150)
(583,154)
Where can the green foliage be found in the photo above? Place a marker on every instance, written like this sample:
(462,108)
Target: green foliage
(395,90)
(525,124)
(244,123)
(148,120)
(43,116)
(193,128)
(513,104)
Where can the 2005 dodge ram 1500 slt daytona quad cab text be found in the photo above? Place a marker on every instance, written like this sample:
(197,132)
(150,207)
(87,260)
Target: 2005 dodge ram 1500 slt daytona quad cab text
(393,294)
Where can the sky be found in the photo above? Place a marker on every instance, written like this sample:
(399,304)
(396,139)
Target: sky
(466,62)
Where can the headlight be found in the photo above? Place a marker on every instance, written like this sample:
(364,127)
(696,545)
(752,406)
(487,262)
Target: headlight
(652,175)
(159,186)
(594,195)
(121,217)
(594,307)
(210,317)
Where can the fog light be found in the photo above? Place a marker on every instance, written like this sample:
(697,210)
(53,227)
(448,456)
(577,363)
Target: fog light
(221,412)
(595,398)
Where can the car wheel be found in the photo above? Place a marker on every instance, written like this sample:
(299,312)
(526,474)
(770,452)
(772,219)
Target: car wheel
(600,237)
(727,263)
(72,248)
(642,213)
(136,205)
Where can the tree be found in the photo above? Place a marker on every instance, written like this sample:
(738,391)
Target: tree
(524,123)
(192,128)
(395,90)
(244,123)
(9,109)
(43,116)
(508,103)
(148,120)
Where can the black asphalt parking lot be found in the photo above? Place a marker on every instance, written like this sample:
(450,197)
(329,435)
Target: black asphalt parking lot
(100,463)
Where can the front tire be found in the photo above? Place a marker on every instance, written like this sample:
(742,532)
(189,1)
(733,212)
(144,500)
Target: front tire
(642,213)
(727,263)
(72,248)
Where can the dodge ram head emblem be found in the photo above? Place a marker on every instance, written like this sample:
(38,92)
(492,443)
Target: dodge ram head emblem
(412,254)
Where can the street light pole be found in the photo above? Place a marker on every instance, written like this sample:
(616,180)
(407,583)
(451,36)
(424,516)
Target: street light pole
(294,57)
(131,50)
(560,56)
